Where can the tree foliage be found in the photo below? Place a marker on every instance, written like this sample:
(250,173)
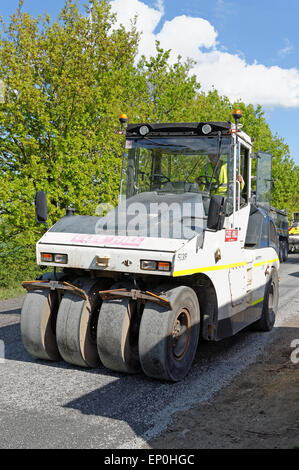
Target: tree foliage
(62,81)
(66,82)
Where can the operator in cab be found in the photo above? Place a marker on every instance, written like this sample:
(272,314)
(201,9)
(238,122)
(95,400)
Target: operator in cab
(220,177)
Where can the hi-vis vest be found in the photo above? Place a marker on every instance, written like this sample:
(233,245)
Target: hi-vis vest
(221,179)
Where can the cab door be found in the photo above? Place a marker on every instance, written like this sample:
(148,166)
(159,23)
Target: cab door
(268,242)
(263,180)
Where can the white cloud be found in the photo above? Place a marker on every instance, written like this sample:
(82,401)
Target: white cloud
(147,21)
(253,83)
(186,35)
(196,38)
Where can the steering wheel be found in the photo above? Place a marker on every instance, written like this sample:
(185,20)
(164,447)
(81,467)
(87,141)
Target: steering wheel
(205,177)
(165,178)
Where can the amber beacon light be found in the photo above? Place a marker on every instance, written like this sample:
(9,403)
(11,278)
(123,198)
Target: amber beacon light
(123,118)
(237,114)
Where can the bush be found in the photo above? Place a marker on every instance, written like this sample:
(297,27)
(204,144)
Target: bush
(17,264)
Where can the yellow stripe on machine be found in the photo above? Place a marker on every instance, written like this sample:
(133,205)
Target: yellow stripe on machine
(272,260)
(219,268)
(208,268)
(261,263)
(257,302)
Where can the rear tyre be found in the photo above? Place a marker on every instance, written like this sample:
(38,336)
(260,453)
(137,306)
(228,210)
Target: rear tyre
(270,304)
(76,324)
(168,339)
(285,251)
(281,252)
(38,321)
(117,334)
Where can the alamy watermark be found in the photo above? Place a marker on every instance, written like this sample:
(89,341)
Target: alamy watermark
(152,219)
(295,353)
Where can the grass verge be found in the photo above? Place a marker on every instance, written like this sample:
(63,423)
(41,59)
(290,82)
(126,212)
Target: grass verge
(11,292)
(15,270)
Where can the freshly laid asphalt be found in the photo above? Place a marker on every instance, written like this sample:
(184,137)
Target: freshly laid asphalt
(56,405)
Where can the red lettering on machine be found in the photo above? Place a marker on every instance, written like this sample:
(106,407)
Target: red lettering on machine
(231,235)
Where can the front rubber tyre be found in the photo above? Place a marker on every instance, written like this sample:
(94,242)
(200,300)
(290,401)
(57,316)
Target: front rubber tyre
(76,324)
(168,338)
(116,339)
(38,322)
(270,304)
(38,334)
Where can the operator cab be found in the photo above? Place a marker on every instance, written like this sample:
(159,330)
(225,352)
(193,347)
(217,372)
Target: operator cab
(179,179)
(196,159)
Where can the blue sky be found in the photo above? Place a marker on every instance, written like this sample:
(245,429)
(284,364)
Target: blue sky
(246,49)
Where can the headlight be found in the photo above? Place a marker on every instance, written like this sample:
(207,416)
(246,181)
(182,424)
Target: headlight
(60,259)
(52,257)
(149,265)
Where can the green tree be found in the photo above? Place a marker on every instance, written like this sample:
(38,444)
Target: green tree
(169,88)
(62,87)
(212,107)
(66,82)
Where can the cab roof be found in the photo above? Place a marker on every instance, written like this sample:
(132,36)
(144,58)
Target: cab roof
(179,129)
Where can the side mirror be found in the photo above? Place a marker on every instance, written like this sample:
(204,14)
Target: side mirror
(41,207)
(216,213)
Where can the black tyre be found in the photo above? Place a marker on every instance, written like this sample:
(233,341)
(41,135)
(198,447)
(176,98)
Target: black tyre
(168,339)
(270,304)
(76,324)
(117,334)
(116,347)
(281,251)
(285,251)
(38,322)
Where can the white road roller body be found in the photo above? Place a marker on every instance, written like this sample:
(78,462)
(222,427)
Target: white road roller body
(189,253)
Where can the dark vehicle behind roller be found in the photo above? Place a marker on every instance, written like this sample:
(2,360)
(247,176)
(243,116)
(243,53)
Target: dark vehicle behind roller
(280,218)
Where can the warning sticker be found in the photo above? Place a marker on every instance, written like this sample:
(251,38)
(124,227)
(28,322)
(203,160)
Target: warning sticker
(231,235)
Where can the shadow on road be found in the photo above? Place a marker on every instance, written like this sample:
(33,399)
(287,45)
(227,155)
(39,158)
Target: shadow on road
(207,351)
(121,399)
(294,274)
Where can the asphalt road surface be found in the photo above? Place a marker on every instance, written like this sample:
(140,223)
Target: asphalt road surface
(56,405)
